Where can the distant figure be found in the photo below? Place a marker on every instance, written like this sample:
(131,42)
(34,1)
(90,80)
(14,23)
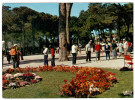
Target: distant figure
(57,50)
(18,57)
(88,51)
(93,47)
(129,47)
(45,52)
(13,54)
(114,53)
(74,53)
(8,56)
(80,48)
(107,50)
(120,45)
(97,49)
(53,57)
(125,46)
(3,51)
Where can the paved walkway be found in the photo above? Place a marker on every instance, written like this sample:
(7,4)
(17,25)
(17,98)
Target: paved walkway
(37,60)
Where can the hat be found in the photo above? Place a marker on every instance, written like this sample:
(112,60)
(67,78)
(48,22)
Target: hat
(90,40)
(15,44)
(123,39)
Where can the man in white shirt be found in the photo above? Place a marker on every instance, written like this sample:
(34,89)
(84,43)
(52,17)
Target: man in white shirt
(88,51)
(45,52)
(125,46)
(74,52)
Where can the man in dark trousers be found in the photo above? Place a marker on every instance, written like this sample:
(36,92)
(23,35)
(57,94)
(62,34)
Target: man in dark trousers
(45,52)
(74,53)
(88,51)
(107,50)
(53,57)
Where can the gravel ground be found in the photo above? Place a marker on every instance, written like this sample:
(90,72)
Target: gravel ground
(37,60)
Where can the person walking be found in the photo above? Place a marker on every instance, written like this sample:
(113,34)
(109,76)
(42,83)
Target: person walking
(107,50)
(88,51)
(74,53)
(80,46)
(97,49)
(45,52)
(53,57)
(13,54)
(120,45)
(8,56)
(114,53)
(125,46)
(129,47)
(18,57)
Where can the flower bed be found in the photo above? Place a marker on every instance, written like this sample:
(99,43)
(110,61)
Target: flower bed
(18,80)
(86,83)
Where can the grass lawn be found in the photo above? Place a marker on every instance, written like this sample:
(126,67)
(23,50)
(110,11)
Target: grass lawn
(49,86)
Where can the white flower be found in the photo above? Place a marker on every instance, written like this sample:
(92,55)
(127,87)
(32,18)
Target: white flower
(34,74)
(18,74)
(12,84)
(37,77)
(9,76)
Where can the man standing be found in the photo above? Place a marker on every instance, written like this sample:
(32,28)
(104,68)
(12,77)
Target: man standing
(88,51)
(18,57)
(74,53)
(97,49)
(53,57)
(13,54)
(45,52)
(125,46)
(114,53)
(107,50)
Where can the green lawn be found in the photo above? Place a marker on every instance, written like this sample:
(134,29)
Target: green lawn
(49,86)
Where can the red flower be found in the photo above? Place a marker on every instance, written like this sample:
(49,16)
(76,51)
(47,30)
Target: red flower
(65,81)
(33,81)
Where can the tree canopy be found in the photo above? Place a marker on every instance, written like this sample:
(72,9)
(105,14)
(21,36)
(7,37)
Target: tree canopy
(30,28)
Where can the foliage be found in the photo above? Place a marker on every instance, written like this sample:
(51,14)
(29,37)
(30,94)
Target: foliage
(49,86)
(88,82)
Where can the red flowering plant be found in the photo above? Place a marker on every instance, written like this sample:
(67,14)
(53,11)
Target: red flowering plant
(28,77)
(87,82)
(33,81)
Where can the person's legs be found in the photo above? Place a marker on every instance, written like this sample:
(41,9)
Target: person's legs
(106,55)
(75,58)
(52,61)
(18,62)
(44,59)
(125,51)
(109,55)
(13,58)
(98,55)
(113,54)
(86,56)
(89,55)
(47,60)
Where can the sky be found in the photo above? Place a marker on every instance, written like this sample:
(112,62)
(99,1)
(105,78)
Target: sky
(51,8)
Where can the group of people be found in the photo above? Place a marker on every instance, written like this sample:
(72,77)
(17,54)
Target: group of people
(45,52)
(15,55)
(109,48)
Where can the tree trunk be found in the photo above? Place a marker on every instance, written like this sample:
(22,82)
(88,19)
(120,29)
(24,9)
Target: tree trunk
(62,33)
(68,10)
(23,38)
